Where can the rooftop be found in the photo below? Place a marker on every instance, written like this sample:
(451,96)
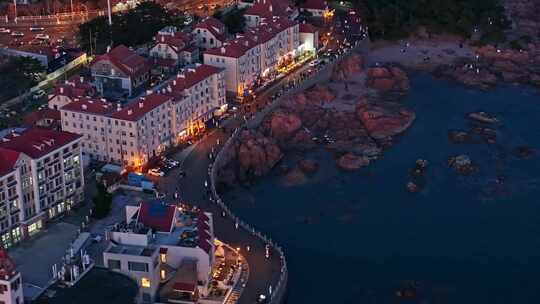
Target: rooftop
(214,26)
(126,60)
(315,4)
(89,105)
(132,250)
(36,142)
(8,159)
(269,8)
(137,109)
(189,77)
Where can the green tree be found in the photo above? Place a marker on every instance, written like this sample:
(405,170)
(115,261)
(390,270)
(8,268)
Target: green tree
(102,202)
(132,28)
(19,74)
(234,21)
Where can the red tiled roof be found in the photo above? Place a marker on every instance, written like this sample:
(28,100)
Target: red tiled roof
(307,28)
(190,77)
(314,4)
(90,106)
(137,109)
(157,216)
(8,158)
(37,142)
(211,22)
(185,287)
(269,8)
(214,26)
(34,117)
(253,37)
(126,60)
(177,41)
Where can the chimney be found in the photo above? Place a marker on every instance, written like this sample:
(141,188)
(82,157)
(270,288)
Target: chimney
(61,90)
(174,82)
(222,50)
(130,112)
(108,48)
(270,8)
(162,38)
(182,76)
(148,92)
(81,79)
(105,100)
(118,107)
(90,101)
(141,104)
(169,89)
(84,107)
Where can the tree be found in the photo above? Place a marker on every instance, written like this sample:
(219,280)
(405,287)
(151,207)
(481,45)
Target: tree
(234,21)
(18,74)
(132,28)
(102,202)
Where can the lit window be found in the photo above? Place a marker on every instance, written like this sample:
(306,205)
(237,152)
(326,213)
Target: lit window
(163,258)
(145,282)
(162,274)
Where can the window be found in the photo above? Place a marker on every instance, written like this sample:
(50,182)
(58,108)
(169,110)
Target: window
(114,264)
(145,282)
(162,274)
(138,266)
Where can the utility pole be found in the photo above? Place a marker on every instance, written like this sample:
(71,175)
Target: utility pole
(109,11)
(15,4)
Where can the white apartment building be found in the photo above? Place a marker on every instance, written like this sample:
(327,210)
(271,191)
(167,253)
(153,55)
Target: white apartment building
(209,33)
(164,244)
(129,136)
(255,54)
(173,49)
(64,93)
(199,95)
(41,177)
(10,281)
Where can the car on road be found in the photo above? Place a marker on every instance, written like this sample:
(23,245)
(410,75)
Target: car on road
(38,94)
(4,30)
(262,299)
(37,28)
(314,63)
(17,34)
(156,172)
(42,37)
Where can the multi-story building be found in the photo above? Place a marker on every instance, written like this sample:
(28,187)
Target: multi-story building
(75,87)
(10,281)
(265,10)
(164,244)
(129,135)
(317,8)
(199,95)
(41,177)
(119,72)
(147,126)
(173,49)
(255,54)
(209,33)
(309,37)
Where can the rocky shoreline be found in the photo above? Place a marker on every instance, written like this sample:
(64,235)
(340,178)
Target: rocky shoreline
(493,66)
(356,116)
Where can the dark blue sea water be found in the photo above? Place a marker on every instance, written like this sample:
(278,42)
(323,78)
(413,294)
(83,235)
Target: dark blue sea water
(359,237)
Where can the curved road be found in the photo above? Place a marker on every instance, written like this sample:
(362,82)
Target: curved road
(263,272)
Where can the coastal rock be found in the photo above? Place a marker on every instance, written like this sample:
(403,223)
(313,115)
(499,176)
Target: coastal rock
(302,140)
(284,125)
(308,166)
(483,117)
(459,137)
(256,154)
(294,177)
(412,187)
(351,162)
(388,80)
(467,74)
(523,152)
(462,164)
(349,66)
(320,93)
(383,120)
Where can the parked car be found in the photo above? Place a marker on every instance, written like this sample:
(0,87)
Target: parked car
(17,34)
(156,172)
(314,62)
(42,37)
(38,94)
